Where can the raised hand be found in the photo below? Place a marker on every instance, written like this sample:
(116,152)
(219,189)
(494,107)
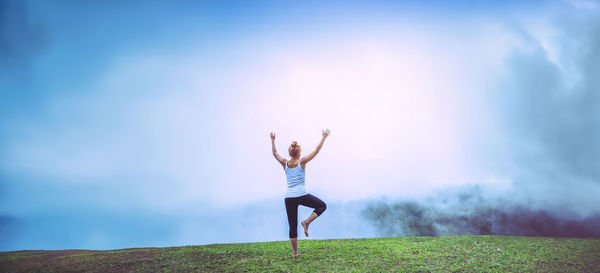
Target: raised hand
(326,132)
(272,136)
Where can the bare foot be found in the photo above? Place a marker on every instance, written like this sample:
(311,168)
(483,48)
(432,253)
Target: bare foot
(296,255)
(305,226)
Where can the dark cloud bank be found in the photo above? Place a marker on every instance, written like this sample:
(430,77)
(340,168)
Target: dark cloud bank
(550,112)
(470,213)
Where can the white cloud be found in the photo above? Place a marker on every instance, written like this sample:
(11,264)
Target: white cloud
(401,109)
(407,109)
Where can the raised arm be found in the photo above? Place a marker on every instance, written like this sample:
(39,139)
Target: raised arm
(312,155)
(280,159)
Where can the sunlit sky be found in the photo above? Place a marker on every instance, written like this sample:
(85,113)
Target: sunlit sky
(166,108)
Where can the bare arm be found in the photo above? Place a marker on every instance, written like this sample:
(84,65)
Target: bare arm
(280,159)
(312,155)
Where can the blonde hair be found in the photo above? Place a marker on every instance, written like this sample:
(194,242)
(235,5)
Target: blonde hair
(295,150)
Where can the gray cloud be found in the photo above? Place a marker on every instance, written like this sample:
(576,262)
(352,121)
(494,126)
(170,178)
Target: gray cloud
(553,106)
(469,212)
(548,107)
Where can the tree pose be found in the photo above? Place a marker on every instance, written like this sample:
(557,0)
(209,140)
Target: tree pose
(296,193)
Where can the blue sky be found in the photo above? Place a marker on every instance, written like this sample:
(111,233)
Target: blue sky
(147,123)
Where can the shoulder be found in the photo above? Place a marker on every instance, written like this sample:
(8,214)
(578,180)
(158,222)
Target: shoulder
(302,162)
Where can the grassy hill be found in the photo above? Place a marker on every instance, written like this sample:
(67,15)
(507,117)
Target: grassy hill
(435,254)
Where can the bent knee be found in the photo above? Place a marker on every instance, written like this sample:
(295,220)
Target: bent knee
(321,209)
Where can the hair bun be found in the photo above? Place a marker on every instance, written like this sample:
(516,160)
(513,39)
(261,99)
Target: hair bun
(294,149)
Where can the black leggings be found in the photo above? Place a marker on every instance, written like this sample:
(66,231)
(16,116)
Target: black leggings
(291,206)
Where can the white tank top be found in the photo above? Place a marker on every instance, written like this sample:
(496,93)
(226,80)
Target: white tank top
(295,181)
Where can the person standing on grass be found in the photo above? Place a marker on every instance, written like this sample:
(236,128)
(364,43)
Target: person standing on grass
(296,192)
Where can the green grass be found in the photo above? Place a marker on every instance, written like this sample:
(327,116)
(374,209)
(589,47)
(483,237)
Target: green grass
(404,254)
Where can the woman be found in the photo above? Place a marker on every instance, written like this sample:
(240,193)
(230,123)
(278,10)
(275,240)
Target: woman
(296,192)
